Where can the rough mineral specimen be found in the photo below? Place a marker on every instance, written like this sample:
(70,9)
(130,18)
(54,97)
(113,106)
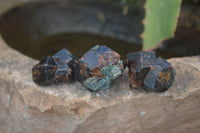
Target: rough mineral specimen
(150,73)
(139,64)
(51,69)
(98,68)
(160,76)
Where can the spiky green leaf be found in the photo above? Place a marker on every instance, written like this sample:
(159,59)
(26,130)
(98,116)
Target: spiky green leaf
(160,21)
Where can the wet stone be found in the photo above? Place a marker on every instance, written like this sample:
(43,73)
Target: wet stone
(99,68)
(57,68)
(149,73)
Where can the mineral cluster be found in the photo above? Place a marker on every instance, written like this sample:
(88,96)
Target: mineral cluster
(149,72)
(99,68)
(51,69)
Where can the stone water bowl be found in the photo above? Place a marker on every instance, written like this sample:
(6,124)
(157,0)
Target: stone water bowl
(31,30)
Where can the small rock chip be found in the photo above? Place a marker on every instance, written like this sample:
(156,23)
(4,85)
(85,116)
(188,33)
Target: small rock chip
(152,74)
(51,69)
(98,68)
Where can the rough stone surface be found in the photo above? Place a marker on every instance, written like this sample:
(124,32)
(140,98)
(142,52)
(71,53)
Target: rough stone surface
(139,64)
(99,68)
(160,76)
(29,108)
(148,72)
(57,68)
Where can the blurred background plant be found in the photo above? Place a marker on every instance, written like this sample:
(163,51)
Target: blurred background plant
(161,17)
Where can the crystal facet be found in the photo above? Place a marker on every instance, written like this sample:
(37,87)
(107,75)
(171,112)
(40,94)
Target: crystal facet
(149,72)
(51,69)
(138,64)
(99,67)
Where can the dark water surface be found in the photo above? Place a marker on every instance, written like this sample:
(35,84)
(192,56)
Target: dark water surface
(41,29)
(77,43)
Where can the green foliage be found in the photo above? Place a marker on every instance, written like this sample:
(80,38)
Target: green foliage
(160,21)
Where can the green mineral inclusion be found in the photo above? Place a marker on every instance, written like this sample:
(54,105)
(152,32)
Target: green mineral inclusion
(97,83)
(95,48)
(110,73)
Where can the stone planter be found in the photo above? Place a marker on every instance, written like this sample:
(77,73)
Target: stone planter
(28,108)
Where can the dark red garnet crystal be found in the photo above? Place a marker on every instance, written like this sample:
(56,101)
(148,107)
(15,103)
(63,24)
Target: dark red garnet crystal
(99,68)
(57,68)
(149,72)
